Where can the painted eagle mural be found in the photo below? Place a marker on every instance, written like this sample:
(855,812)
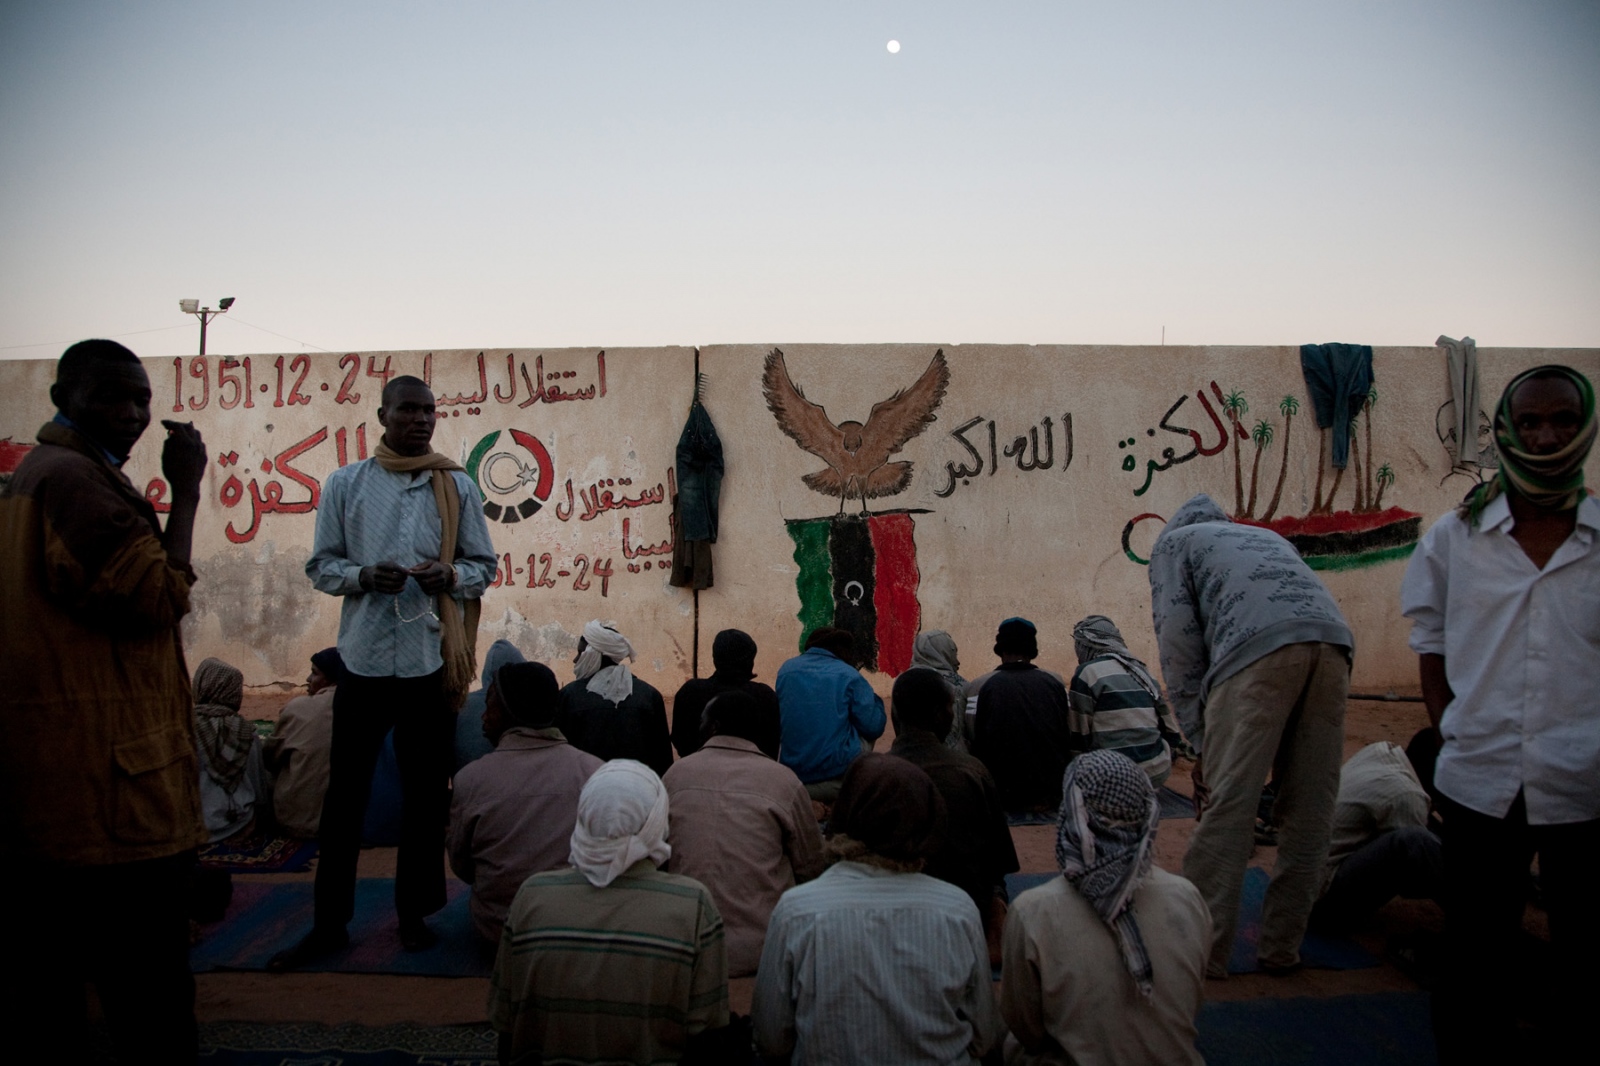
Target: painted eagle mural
(857,453)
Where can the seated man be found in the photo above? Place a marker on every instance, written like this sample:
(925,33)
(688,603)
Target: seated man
(1382,847)
(874,961)
(977,852)
(1022,728)
(613,961)
(1107,963)
(607,711)
(471,740)
(1117,704)
(297,751)
(512,811)
(742,825)
(733,653)
(230,752)
(830,714)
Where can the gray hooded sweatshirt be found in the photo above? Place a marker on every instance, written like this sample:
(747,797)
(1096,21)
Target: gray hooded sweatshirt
(1224,594)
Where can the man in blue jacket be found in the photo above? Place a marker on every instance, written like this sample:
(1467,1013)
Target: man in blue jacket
(830,715)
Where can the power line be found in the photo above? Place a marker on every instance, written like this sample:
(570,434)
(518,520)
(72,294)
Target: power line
(129,333)
(163,329)
(285,336)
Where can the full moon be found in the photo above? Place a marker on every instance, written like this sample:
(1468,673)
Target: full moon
(894,46)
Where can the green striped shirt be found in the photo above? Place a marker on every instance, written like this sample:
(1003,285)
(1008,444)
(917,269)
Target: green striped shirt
(621,974)
(1112,711)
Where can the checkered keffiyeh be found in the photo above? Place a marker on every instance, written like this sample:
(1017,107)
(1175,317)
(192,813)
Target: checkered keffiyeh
(1104,836)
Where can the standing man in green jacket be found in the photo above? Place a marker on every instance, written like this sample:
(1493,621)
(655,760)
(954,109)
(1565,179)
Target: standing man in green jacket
(99,779)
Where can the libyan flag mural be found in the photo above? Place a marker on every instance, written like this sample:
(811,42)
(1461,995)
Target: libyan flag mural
(859,572)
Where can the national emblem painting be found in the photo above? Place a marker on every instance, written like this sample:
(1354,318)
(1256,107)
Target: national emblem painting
(858,571)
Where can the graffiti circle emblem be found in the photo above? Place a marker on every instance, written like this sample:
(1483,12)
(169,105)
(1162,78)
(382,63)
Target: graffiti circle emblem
(1127,536)
(515,477)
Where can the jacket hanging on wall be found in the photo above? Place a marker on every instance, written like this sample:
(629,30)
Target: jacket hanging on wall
(1338,376)
(699,471)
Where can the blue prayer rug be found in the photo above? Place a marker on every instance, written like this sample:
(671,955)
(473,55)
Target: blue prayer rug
(264,918)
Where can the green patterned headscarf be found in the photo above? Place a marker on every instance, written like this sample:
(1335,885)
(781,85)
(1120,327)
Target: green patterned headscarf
(1549,481)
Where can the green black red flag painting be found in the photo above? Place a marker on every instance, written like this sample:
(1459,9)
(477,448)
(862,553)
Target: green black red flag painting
(859,572)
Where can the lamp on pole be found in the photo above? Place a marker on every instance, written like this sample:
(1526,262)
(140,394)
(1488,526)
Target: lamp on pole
(204,314)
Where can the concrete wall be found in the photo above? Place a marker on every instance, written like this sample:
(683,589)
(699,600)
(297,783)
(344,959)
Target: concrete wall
(578,444)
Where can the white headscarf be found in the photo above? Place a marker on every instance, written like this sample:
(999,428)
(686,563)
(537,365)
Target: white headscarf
(614,683)
(622,818)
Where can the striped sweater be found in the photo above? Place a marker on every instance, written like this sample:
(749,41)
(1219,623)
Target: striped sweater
(1112,711)
(621,974)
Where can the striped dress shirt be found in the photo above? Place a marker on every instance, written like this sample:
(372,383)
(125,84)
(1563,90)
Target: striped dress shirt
(863,965)
(1111,711)
(621,974)
(370,515)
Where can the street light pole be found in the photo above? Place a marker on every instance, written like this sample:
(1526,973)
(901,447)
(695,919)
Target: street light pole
(204,314)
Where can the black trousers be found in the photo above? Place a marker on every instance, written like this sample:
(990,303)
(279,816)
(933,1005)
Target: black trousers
(122,928)
(1486,864)
(364,710)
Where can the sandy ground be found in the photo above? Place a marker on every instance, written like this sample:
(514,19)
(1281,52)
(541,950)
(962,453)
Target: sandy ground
(380,1000)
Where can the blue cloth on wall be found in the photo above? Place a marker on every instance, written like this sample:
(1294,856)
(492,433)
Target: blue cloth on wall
(1338,377)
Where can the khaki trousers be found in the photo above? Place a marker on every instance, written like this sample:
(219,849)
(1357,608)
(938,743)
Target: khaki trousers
(1285,711)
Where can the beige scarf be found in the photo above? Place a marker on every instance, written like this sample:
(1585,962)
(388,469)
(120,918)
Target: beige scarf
(458,629)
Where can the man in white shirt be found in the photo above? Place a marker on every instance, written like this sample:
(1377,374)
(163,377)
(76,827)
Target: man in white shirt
(1381,845)
(1504,597)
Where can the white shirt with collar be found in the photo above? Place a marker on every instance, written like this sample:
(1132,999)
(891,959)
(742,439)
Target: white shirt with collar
(1521,648)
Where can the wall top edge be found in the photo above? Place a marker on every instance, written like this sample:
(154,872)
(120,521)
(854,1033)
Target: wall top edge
(765,346)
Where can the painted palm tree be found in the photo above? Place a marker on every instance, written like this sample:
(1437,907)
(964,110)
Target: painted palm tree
(1385,479)
(1262,435)
(1360,478)
(1372,401)
(1338,475)
(1234,405)
(1290,407)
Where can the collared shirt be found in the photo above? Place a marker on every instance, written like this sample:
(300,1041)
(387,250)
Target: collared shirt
(62,420)
(1066,992)
(827,709)
(1378,792)
(863,965)
(1111,711)
(621,974)
(298,753)
(511,816)
(742,825)
(1521,651)
(369,515)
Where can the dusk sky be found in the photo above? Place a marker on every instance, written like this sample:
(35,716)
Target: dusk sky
(392,176)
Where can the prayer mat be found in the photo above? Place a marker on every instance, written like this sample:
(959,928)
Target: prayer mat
(258,1044)
(1318,951)
(1173,805)
(265,918)
(1361,1030)
(259,854)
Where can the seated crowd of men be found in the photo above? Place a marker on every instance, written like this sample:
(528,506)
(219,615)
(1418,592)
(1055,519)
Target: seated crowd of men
(864,891)
(719,868)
